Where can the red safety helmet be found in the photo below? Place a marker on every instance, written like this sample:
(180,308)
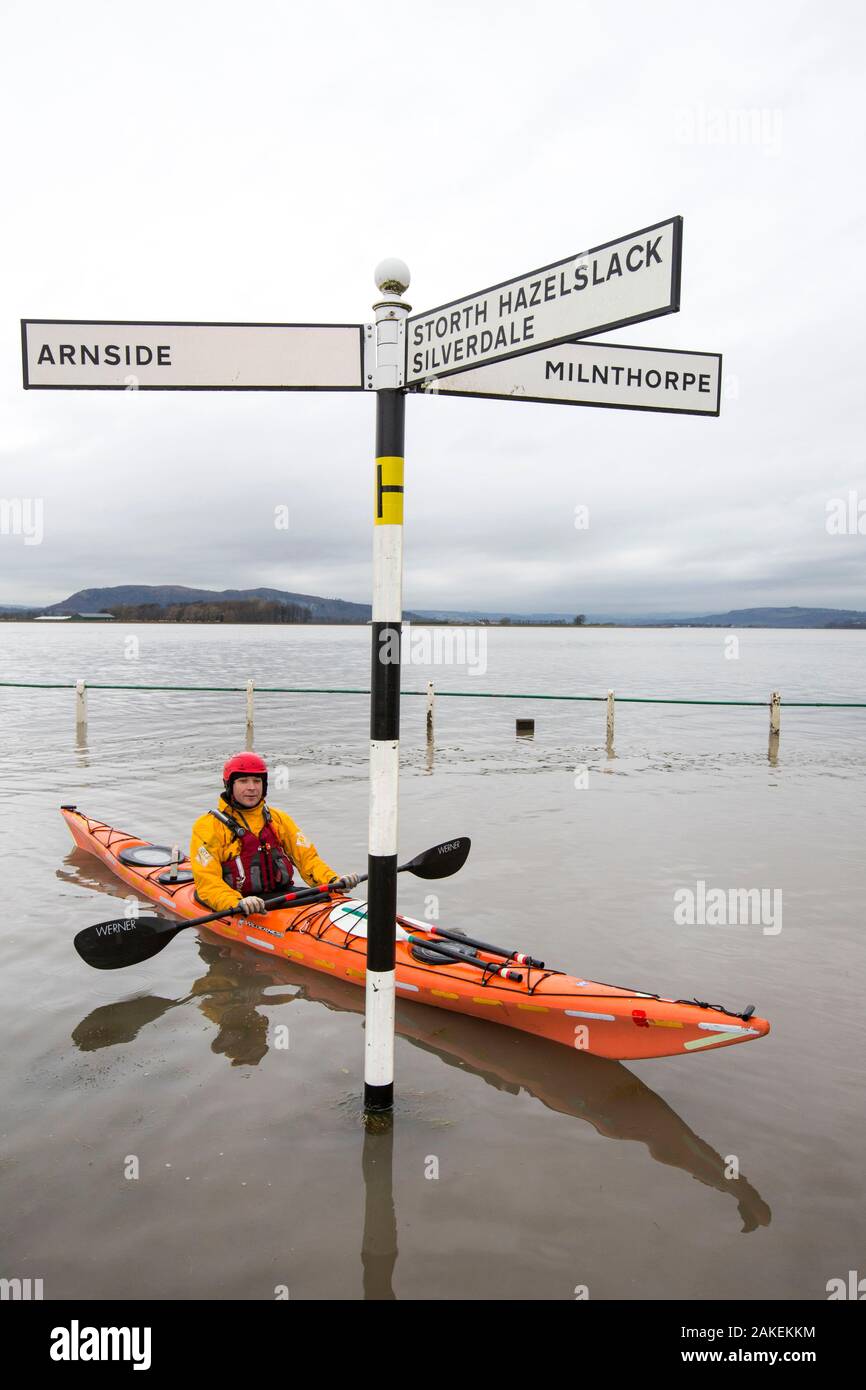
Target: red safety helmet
(244,765)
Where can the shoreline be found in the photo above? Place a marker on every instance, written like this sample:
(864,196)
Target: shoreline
(77,621)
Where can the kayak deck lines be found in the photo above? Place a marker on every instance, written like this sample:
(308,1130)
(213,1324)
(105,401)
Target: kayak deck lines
(608,1020)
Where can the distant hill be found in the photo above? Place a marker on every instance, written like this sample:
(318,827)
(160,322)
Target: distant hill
(322,610)
(778,617)
(129,597)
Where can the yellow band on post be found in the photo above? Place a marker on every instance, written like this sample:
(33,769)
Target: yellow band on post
(388,503)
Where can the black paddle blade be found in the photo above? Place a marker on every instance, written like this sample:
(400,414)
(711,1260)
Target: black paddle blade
(125,941)
(442,860)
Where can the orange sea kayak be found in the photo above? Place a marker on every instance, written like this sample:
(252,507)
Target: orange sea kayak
(607,1020)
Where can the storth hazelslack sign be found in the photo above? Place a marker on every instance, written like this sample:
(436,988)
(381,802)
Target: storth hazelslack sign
(624,281)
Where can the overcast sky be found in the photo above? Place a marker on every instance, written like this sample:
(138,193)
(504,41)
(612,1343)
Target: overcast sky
(205,161)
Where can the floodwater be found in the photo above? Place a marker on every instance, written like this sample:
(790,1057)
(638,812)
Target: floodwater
(515,1169)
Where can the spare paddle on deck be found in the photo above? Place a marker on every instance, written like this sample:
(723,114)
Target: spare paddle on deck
(517,956)
(131,940)
(490,967)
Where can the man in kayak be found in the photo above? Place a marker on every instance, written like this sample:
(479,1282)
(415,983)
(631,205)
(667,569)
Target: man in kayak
(246,849)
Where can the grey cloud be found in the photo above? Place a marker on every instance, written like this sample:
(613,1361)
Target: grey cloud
(268,176)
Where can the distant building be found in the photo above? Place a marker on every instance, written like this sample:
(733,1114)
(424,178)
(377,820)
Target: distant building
(65,617)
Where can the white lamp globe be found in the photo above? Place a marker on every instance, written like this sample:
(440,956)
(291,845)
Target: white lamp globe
(392,276)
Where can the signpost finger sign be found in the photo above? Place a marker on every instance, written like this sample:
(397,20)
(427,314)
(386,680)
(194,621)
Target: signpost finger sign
(602,374)
(624,281)
(115,356)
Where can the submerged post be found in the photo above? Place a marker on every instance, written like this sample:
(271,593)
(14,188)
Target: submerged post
(392,279)
(251,714)
(80,704)
(775,712)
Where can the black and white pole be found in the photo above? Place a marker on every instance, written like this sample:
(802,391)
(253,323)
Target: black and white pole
(392,279)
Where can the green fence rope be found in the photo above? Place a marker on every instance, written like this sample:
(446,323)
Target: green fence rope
(439,694)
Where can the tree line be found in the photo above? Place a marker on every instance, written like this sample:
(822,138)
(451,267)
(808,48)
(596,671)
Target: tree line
(254,610)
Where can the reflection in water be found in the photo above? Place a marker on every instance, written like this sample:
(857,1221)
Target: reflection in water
(225,998)
(379,1245)
(618,1104)
(773,750)
(81,747)
(113,1024)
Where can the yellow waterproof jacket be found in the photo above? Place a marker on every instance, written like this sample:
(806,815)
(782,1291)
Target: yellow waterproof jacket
(213,845)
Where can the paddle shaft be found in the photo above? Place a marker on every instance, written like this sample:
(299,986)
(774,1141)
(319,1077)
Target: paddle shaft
(286,900)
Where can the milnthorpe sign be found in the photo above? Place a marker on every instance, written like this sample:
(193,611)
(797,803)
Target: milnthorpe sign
(115,356)
(624,281)
(592,373)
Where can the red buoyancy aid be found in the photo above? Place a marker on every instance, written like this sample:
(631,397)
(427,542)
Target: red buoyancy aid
(262,865)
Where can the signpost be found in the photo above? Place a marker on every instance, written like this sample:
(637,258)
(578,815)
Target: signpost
(392,278)
(115,356)
(624,281)
(514,341)
(591,373)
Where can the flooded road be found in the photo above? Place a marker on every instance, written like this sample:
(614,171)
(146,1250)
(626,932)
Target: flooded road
(158,1144)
